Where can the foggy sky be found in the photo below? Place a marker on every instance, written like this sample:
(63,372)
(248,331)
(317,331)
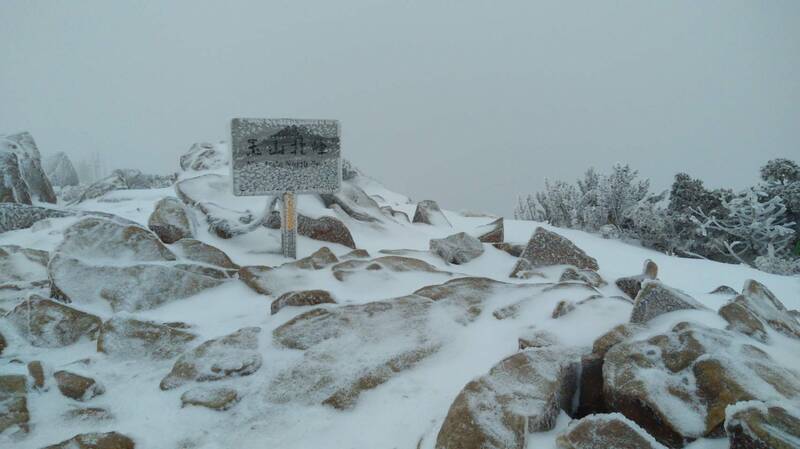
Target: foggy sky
(467,102)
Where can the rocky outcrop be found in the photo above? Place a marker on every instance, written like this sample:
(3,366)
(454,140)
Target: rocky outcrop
(47,323)
(631,285)
(547,248)
(612,431)
(204,156)
(756,310)
(656,299)
(123,264)
(493,232)
(127,338)
(232,355)
(125,179)
(587,276)
(22,267)
(29,164)
(13,188)
(169,221)
(22,216)
(300,299)
(13,403)
(60,170)
(354,202)
(326,229)
(201,252)
(257,278)
(318,260)
(756,425)
(215,398)
(458,248)
(108,440)
(523,393)
(75,386)
(428,212)
(677,385)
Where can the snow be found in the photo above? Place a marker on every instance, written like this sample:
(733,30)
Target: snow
(408,409)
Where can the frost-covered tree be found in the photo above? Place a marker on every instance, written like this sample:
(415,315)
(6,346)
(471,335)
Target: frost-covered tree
(590,214)
(781,171)
(621,191)
(557,202)
(781,177)
(650,223)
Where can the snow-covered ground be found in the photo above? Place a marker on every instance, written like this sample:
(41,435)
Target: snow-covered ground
(405,412)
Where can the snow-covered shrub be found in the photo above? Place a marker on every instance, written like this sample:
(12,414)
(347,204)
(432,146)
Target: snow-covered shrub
(621,191)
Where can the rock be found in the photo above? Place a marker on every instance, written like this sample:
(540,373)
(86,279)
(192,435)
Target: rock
(13,188)
(108,440)
(232,355)
(515,250)
(396,214)
(30,165)
(428,212)
(36,372)
(197,251)
(356,254)
(3,343)
(632,284)
(537,339)
(22,265)
(123,264)
(214,190)
(677,385)
(22,216)
(60,170)
(588,276)
(88,414)
(612,431)
(125,179)
(757,309)
(77,387)
(169,221)
(255,277)
(562,308)
(50,324)
(656,299)
(468,293)
(301,298)
(458,248)
(326,229)
(523,393)
(204,156)
(316,261)
(755,425)
(724,290)
(353,201)
(219,398)
(492,232)
(128,338)
(13,403)
(547,248)
(395,264)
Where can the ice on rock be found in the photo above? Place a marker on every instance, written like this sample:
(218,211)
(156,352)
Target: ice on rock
(606,431)
(458,248)
(547,248)
(60,170)
(757,309)
(656,299)
(50,324)
(29,164)
(205,156)
(428,212)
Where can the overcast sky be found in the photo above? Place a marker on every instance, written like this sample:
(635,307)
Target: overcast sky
(467,102)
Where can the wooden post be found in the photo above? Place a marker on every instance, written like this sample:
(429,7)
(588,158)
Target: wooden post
(289,226)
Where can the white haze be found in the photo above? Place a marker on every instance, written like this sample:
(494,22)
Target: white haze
(467,102)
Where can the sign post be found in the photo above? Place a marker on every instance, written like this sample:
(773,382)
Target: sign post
(285,157)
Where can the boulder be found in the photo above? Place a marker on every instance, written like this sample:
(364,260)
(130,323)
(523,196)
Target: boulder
(757,309)
(631,285)
(60,170)
(588,276)
(677,385)
(396,214)
(458,248)
(354,202)
(87,414)
(428,212)
(521,394)
(215,398)
(231,355)
(318,260)
(656,299)
(612,431)
(13,403)
(169,221)
(513,249)
(107,440)
(395,264)
(75,386)
(492,232)
(22,265)
(50,324)
(756,425)
(206,193)
(547,248)
(128,338)
(356,254)
(536,339)
(36,371)
(301,298)
(125,179)
(724,290)
(562,308)
(123,264)
(22,216)
(30,165)
(326,229)
(13,188)
(201,252)
(255,277)
(204,156)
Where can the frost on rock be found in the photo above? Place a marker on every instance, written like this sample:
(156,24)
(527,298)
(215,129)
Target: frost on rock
(395,264)
(428,212)
(493,232)
(521,394)
(22,216)
(232,355)
(547,248)
(215,398)
(631,285)
(458,248)
(107,440)
(606,431)
(47,323)
(20,267)
(756,425)
(124,264)
(656,299)
(128,338)
(125,179)
(354,202)
(14,412)
(677,385)
(12,187)
(204,156)
(301,298)
(757,309)
(60,170)
(170,221)
(29,164)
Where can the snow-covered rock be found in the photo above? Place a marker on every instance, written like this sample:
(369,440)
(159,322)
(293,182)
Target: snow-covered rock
(47,323)
(107,440)
(319,259)
(36,371)
(215,398)
(22,265)
(60,170)
(656,299)
(300,299)
(22,216)
(755,425)
(590,277)
(30,165)
(394,264)
(231,355)
(546,248)
(354,202)
(125,179)
(606,431)
(256,277)
(493,232)
(326,229)
(630,285)
(521,394)
(13,403)
(127,338)
(204,156)
(757,309)
(428,212)
(201,252)
(170,221)
(458,248)
(13,188)
(78,387)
